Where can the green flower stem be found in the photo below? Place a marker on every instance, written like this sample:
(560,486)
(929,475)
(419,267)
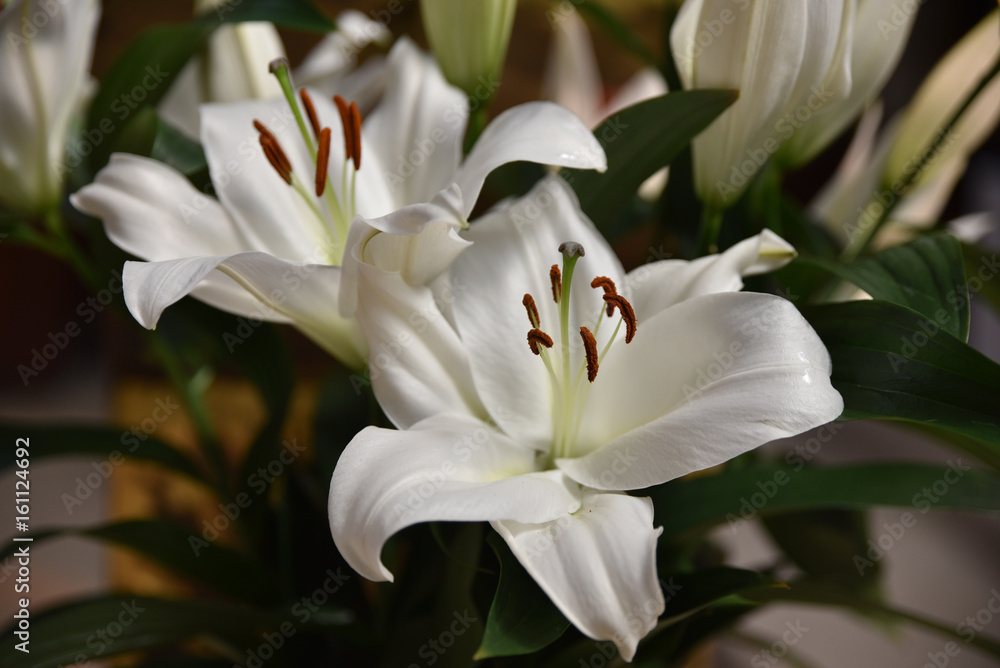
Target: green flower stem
(711,226)
(857,245)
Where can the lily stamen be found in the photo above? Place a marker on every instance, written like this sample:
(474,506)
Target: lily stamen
(310,111)
(274,153)
(609,289)
(537,337)
(590,349)
(529,305)
(322,160)
(555,276)
(627,313)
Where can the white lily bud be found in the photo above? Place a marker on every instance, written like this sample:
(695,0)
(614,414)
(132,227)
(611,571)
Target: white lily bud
(789,59)
(233,68)
(951,81)
(45,66)
(469,40)
(881,29)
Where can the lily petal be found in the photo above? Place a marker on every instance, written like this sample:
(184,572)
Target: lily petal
(598,565)
(659,285)
(539,132)
(337,53)
(281,291)
(703,381)
(417,129)
(417,364)
(513,249)
(445,468)
(152,211)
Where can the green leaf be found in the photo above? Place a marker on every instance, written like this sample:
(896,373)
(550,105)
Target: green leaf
(734,496)
(117,624)
(820,594)
(690,592)
(140,78)
(925,275)
(893,363)
(109,445)
(522,619)
(173,147)
(293,14)
(640,140)
(181,551)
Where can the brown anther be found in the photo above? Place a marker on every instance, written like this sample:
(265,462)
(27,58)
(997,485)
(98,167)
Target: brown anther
(556,277)
(537,337)
(322,160)
(609,289)
(529,305)
(356,135)
(350,119)
(590,348)
(627,313)
(274,153)
(310,111)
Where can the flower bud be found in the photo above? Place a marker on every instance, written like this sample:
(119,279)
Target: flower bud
(469,40)
(881,29)
(788,58)
(940,96)
(45,69)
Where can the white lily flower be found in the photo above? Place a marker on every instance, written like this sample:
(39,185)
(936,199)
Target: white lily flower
(45,68)
(573,80)
(881,29)
(234,66)
(638,379)
(469,40)
(788,58)
(271,245)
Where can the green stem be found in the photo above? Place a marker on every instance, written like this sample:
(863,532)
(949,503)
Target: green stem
(478,119)
(711,226)
(214,456)
(859,243)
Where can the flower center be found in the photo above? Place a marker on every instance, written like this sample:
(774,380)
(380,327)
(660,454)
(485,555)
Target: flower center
(331,215)
(569,392)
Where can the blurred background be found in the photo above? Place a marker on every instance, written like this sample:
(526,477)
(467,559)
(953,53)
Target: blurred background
(946,567)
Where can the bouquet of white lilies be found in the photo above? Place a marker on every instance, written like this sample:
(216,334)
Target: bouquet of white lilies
(527,441)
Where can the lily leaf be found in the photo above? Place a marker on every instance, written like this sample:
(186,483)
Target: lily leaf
(891,362)
(736,495)
(639,141)
(173,147)
(925,275)
(109,445)
(76,633)
(179,550)
(522,619)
